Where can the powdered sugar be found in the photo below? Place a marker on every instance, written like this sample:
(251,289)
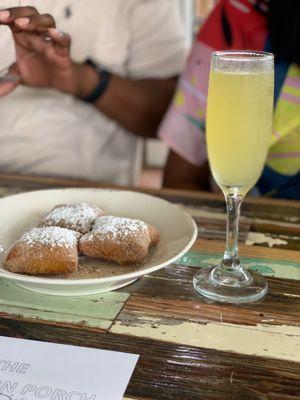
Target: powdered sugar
(118,228)
(79,217)
(50,236)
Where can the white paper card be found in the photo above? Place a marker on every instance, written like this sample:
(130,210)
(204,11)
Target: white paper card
(31,370)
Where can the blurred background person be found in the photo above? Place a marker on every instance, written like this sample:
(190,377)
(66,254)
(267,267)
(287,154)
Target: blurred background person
(243,25)
(90,89)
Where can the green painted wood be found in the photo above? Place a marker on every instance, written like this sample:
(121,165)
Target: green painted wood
(94,311)
(274,268)
(54,317)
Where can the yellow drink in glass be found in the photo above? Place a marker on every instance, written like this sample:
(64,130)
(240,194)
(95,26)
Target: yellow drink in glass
(239,124)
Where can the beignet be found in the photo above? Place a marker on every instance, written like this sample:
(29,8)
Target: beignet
(117,239)
(44,251)
(77,217)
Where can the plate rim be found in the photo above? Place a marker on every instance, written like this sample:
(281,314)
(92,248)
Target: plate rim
(128,276)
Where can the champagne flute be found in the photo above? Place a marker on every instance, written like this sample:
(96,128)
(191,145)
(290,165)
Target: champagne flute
(5,76)
(239,124)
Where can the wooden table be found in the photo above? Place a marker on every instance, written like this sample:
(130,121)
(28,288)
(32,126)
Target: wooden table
(189,348)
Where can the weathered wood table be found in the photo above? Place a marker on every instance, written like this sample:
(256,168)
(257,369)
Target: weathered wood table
(189,348)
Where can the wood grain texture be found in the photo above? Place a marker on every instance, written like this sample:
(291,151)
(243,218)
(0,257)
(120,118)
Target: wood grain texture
(202,312)
(190,348)
(276,254)
(168,371)
(265,232)
(281,210)
(164,306)
(273,235)
(281,343)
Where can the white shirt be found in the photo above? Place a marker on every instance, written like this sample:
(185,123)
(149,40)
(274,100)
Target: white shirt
(45,132)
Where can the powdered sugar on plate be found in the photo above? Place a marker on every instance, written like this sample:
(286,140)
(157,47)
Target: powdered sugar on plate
(51,236)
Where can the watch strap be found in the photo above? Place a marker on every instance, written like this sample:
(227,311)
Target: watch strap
(104,80)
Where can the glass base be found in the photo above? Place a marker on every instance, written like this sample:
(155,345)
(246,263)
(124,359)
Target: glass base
(245,287)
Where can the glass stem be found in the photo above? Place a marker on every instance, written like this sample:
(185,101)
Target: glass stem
(231,260)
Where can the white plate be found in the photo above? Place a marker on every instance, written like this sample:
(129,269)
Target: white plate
(21,212)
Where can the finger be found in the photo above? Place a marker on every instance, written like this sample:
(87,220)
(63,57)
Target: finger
(8,16)
(61,40)
(14,69)
(51,43)
(7,86)
(51,53)
(59,37)
(35,23)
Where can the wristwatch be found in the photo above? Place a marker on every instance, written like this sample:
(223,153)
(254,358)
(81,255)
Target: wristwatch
(104,79)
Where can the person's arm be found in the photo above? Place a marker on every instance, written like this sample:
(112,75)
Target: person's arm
(137,105)
(180,174)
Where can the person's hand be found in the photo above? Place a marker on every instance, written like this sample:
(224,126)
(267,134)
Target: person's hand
(42,52)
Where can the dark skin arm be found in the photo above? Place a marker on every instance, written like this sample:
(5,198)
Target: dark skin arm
(137,105)
(180,174)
